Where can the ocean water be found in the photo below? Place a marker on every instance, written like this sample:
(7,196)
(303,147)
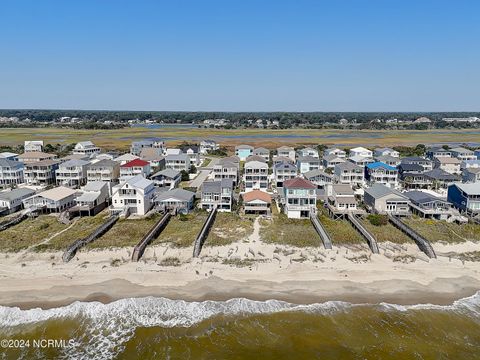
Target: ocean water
(159,328)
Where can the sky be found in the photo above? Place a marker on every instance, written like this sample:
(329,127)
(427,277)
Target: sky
(241,55)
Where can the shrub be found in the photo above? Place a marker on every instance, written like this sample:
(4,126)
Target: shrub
(378,220)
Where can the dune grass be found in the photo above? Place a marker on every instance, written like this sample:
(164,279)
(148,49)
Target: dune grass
(340,231)
(386,232)
(441,231)
(228,228)
(182,230)
(294,232)
(81,228)
(125,233)
(29,232)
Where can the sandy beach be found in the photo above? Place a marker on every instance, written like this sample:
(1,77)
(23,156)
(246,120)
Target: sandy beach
(399,274)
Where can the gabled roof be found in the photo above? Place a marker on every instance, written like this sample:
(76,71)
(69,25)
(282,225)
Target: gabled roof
(360,158)
(74,162)
(469,189)
(95,186)
(136,163)
(57,193)
(285,166)
(177,157)
(378,190)
(126,157)
(298,183)
(217,186)
(105,163)
(261,150)
(16,194)
(239,147)
(10,163)
(35,155)
(285,148)
(308,158)
(257,195)
(315,173)
(138,181)
(178,194)
(359,149)
(439,174)
(379,164)
(343,189)
(421,197)
(348,165)
(7,154)
(255,158)
(169,173)
(387,158)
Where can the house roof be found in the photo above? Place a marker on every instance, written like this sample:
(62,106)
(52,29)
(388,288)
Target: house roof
(178,194)
(176,157)
(414,159)
(9,163)
(387,158)
(448,160)
(136,163)
(285,166)
(138,181)
(282,159)
(421,197)
(298,183)
(360,158)
(439,174)
(239,147)
(47,162)
(151,154)
(261,150)
(103,163)
(308,158)
(285,148)
(347,165)
(379,164)
(378,190)
(359,149)
(74,162)
(57,193)
(461,150)
(88,196)
(257,195)
(126,157)
(331,157)
(316,172)
(255,158)
(35,155)
(343,189)
(469,189)
(16,194)
(217,186)
(94,186)
(7,154)
(169,173)
(411,167)
(384,149)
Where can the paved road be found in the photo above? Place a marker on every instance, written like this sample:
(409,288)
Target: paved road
(198,181)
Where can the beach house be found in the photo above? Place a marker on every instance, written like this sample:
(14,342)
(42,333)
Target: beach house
(349,173)
(176,200)
(104,170)
(167,178)
(133,168)
(86,148)
(379,172)
(55,200)
(94,198)
(40,173)
(448,164)
(465,197)
(133,195)
(227,168)
(329,161)
(429,206)
(243,151)
(11,173)
(341,197)
(335,151)
(257,202)
(217,194)
(180,162)
(308,151)
(471,174)
(308,163)
(72,173)
(463,154)
(319,177)
(12,200)
(386,152)
(207,146)
(360,151)
(299,198)
(262,152)
(385,200)
(33,145)
(283,171)
(255,175)
(286,151)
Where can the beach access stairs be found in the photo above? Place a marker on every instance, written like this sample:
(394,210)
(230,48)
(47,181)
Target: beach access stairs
(79,243)
(422,243)
(153,233)
(202,235)
(372,242)
(327,241)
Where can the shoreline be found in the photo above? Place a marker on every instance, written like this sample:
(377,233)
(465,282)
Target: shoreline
(291,292)
(295,275)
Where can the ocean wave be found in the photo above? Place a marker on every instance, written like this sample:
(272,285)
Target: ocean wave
(119,319)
